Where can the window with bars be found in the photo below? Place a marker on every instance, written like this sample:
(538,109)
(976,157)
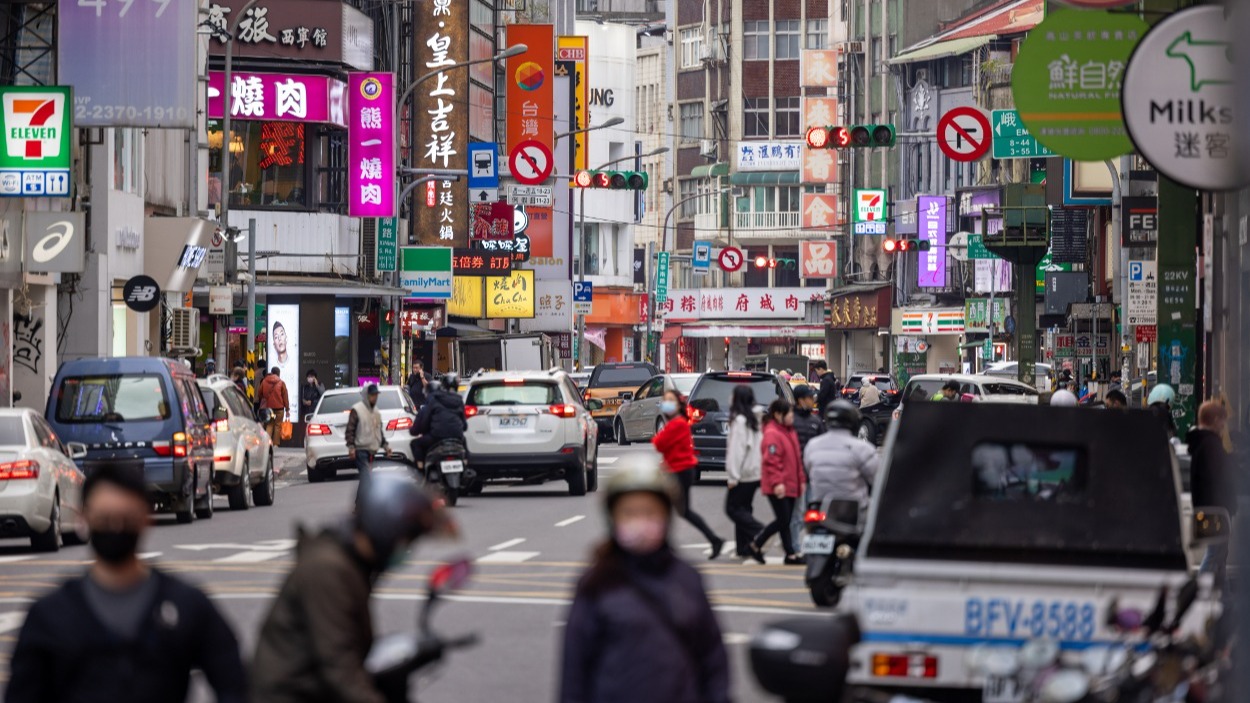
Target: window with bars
(789,121)
(755,36)
(755,117)
(691,121)
(691,46)
(788,39)
(818,34)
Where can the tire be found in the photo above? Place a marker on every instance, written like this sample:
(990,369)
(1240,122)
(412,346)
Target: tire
(187,516)
(592,475)
(203,506)
(475,488)
(315,475)
(867,431)
(452,496)
(265,493)
(825,593)
(577,481)
(51,540)
(239,494)
(619,429)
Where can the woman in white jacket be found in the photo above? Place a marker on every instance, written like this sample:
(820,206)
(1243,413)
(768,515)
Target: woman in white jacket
(742,463)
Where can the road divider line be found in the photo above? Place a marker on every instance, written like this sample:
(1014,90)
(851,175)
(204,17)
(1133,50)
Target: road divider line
(570,521)
(507,557)
(504,545)
(11,621)
(249,557)
(16,558)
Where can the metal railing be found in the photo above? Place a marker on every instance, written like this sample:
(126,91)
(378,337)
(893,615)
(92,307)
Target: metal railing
(769,221)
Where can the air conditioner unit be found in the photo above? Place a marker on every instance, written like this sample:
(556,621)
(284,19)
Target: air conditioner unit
(707,148)
(705,52)
(852,47)
(668,185)
(184,329)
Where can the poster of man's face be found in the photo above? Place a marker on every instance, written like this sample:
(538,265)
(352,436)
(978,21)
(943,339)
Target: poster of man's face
(283,347)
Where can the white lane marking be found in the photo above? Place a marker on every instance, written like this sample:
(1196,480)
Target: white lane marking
(16,558)
(248,557)
(505,545)
(608,460)
(732,638)
(149,555)
(11,621)
(570,521)
(507,557)
(269,545)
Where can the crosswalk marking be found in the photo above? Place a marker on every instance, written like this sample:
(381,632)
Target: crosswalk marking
(16,558)
(507,557)
(248,557)
(570,521)
(505,545)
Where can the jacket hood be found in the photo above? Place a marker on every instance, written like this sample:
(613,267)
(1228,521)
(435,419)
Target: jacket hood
(447,399)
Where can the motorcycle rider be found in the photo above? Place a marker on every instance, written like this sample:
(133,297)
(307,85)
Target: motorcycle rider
(839,463)
(314,640)
(442,417)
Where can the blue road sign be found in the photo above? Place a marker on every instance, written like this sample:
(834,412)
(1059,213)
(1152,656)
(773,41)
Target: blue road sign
(483,165)
(583,292)
(702,260)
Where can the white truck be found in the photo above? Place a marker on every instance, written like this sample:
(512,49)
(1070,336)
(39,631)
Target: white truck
(515,352)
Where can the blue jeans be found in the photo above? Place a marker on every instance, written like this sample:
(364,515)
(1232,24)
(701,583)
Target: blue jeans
(796,520)
(364,463)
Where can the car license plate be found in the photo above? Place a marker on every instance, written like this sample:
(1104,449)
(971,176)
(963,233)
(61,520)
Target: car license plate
(818,544)
(1001,690)
(514,422)
(452,466)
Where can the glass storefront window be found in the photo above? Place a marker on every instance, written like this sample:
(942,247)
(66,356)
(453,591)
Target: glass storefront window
(267,165)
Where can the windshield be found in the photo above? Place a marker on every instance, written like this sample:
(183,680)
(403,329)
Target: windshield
(85,399)
(922,390)
(513,394)
(621,377)
(1007,389)
(1027,472)
(685,383)
(210,399)
(342,402)
(12,433)
(714,393)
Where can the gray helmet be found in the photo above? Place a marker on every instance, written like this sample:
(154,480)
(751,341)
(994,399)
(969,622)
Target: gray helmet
(841,413)
(392,510)
(451,381)
(640,472)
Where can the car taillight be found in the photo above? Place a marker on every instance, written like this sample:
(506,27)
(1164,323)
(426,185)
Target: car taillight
(814,516)
(911,666)
(470,411)
(180,446)
(560,410)
(14,470)
(848,391)
(586,395)
(222,425)
(399,423)
(317,430)
(161,448)
(694,414)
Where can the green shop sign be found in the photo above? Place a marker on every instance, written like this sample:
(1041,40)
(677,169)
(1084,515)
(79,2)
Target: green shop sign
(1067,79)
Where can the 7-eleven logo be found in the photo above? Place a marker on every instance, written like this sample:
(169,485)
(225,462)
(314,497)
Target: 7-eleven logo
(33,125)
(869,205)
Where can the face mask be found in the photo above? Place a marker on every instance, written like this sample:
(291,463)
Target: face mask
(114,546)
(668,407)
(640,535)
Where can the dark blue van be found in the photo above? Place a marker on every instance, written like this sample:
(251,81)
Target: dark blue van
(145,413)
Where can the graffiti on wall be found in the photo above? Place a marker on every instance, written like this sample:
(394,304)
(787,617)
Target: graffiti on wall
(27,340)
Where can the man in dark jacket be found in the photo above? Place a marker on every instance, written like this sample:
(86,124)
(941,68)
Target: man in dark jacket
(830,389)
(1211,480)
(418,383)
(314,641)
(441,418)
(807,423)
(124,631)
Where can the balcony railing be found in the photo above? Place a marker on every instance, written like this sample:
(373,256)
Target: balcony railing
(770,222)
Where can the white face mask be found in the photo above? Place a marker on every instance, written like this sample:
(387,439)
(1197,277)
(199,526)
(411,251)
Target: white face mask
(640,535)
(668,407)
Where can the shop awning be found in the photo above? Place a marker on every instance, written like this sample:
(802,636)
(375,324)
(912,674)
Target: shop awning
(338,289)
(765,178)
(460,329)
(941,49)
(710,170)
(671,334)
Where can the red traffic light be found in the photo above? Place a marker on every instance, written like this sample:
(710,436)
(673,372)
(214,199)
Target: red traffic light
(890,246)
(905,245)
(761,262)
(818,138)
(841,137)
(603,179)
(583,179)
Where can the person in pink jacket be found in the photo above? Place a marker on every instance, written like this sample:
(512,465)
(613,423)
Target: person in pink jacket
(781,478)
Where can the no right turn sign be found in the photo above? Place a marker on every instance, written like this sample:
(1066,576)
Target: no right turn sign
(963,134)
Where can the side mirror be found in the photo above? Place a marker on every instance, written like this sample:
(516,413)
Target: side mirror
(77,450)
(220,414)
(594,404)
(1210,526)
(627,395)
(450,577)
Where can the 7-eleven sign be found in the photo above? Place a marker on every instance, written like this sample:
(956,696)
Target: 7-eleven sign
(36,127)
(870,205)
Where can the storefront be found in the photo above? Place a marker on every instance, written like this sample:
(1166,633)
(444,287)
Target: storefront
(863,319)
(726,325)
(927,340)
(611,324)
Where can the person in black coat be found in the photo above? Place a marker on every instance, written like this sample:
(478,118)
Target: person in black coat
(124,631)
(830,389)
(807,422)
(418,383)
(310,393)
(1211,480)
(441,418)
(641,627)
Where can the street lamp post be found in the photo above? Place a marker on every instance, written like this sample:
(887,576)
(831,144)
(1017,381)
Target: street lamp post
(581,228)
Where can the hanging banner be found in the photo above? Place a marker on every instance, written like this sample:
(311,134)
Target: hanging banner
(932,226)
(279,97)
(371,145)
(441,112)
(529,79)
(573,56)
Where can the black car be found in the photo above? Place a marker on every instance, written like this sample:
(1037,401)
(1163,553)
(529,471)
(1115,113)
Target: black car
(709,410)
(877,418)
(885,384)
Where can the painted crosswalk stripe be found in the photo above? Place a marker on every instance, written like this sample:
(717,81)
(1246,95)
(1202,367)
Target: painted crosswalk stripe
(507,557)
(16,558)
(248,557)
(11,621)
(570,521)
(608,460)
(504,545)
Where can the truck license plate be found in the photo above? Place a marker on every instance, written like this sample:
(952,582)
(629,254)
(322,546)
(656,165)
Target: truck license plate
(452,466)
(1001,690)
(818,544)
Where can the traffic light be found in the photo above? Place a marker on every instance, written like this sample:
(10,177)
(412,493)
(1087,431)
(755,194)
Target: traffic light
(899,246)
(860,136)
(613,180)
(764,262)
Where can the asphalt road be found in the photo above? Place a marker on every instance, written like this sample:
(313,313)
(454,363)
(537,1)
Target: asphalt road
(529,544)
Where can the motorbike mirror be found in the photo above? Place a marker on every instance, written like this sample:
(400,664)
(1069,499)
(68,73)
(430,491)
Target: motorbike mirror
(450,576)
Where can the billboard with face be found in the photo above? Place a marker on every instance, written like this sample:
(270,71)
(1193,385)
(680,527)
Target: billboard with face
(283,348)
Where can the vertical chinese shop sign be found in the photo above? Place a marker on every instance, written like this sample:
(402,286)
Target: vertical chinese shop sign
(371,145)
(530,79)
(572,51)
(442,118)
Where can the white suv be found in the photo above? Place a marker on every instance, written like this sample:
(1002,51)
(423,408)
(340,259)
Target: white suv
(532,425)
(243,468)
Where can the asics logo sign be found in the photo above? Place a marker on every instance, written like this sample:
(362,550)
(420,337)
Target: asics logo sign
(54,242)
(61,234)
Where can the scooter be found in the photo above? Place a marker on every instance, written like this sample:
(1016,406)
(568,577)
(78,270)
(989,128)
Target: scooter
(830,536)
(446,466)
(395,658)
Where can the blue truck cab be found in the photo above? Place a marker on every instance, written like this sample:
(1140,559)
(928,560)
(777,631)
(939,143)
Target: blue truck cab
(144,413)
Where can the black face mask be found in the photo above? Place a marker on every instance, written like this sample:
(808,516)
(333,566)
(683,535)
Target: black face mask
(114,546)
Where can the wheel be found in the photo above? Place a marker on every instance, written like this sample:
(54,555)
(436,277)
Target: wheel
(592,476)
(621,439)
(266,491)
(825,593)
(183,513)
(51,540)
(315,475)
(204,506)
(867,431)
(577,481)
(239,494)
(475,488)
(452,496)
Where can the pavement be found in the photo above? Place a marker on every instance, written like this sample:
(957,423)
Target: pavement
(530,544)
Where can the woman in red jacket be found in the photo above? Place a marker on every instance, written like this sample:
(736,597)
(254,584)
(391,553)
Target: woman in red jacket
(676,444)
(781,477)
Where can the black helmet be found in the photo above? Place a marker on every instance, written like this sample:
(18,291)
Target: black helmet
(841,413)
(451,381)
(391,510)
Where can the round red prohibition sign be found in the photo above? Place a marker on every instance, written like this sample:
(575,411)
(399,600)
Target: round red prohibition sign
(730,259)
(963,134)
(530,162)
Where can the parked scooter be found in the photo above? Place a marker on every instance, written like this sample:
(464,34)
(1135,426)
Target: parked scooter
(395,658)
(830,538)
(446,466)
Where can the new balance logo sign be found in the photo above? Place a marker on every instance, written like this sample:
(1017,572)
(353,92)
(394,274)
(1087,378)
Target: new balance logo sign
(142,294)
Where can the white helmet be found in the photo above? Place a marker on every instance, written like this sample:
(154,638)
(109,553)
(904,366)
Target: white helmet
(1063,399)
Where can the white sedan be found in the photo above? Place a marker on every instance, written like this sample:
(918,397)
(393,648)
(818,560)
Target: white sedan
(325,441)
(40,486)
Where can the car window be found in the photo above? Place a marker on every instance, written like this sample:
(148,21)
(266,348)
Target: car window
(922,390)
(210,400)
(884,384)
(656,388)
(56,443)
(685,383)
(643,391)
(854,382)
(1007,389)
(713,393)
(13,432)
(342,402)
(570,391)
(194,406)
(504,393)
(970,389)
(620,376)
(113,398)
(237,403)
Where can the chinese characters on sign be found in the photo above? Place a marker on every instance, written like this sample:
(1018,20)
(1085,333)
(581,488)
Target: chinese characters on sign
(279,97)
(932,269)
(475,262)
(820,211)
(492,221)
(510,296)
(371,145)
(859,311)
(818,259)
(292,29)
(820,69)
(442,117)
(1142,302)
(1140,221)
(770,156)
(721,304)
(530,85)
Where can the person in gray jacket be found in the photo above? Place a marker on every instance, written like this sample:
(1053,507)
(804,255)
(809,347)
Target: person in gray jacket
(742,464)
(838,463)
(364,433)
